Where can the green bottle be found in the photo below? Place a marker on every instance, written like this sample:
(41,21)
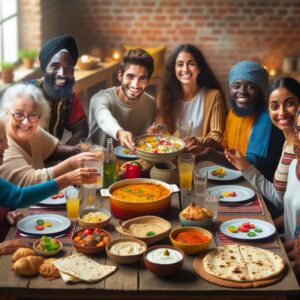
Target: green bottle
(109,166)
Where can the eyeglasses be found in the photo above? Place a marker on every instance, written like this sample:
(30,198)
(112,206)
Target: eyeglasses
(32,117)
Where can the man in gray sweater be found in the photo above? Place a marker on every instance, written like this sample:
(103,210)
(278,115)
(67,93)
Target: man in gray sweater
(124,111)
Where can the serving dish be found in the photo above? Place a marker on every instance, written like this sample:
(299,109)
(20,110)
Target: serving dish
(158,147)
(124,209)
(129,258)
(141,228)
(98,224)
(96,246)
(160,264)
(188,248)
(225,174)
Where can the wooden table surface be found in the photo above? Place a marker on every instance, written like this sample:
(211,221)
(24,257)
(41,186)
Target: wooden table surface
(134,281)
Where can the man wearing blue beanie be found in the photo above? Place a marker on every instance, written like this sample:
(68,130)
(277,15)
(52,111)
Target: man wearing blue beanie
(248,125)
(58,57)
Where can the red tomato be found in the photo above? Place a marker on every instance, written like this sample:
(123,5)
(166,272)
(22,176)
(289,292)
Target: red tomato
(97,230)
(251,225)
(88,232)
(54,196)
(61,195)
(39,227)
(214,173)
(243,228)
(233,194)
(246,224)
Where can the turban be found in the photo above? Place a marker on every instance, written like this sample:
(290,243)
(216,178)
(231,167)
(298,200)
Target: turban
(253,72)
(54,45)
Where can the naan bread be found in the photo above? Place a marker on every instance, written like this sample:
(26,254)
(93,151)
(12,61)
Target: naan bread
(226,262)
(261,263)
(83,268)
(242,263)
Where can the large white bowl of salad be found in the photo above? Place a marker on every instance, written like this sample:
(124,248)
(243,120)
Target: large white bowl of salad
(158,147)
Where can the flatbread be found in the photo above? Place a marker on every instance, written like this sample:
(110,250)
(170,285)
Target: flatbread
(261,263)
(242,263)
(83,268)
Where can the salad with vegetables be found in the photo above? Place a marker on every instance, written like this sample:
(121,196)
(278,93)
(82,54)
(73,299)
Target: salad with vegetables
(47,244)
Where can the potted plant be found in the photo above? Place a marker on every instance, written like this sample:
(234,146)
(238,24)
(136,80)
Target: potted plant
(28,57)
(7,72)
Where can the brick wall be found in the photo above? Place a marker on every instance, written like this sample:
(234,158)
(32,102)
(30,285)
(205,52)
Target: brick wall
(226,31)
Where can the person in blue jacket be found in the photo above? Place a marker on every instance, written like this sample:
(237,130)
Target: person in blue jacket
(12,196)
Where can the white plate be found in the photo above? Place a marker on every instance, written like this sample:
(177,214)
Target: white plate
(230,174)
(59,224)
(119,151)
(57,201)
(268,229)
(242,193)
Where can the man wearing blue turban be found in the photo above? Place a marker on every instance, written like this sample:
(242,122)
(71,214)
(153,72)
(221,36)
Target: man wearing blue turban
(58,57)
(248,125)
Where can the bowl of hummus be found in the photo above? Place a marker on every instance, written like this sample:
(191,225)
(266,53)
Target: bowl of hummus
(94,218)
(126,250)
(163,260)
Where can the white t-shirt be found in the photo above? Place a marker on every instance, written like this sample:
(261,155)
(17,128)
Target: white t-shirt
(193,111)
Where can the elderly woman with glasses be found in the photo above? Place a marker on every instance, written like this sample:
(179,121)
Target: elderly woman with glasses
(26,112)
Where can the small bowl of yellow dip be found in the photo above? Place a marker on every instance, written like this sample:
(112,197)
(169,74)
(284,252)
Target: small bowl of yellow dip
(94,218)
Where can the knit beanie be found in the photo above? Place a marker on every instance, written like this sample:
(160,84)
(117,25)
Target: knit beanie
(253,72)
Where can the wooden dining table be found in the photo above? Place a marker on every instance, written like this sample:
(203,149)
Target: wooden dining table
(136,282)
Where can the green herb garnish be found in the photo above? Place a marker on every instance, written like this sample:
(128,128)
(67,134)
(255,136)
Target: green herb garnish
(150,233)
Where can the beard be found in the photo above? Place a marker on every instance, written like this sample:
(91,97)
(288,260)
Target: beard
(256,105)
(56,92)
(123,87)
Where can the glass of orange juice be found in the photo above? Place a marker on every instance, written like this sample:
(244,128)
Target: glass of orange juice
(186,163)
(73,203)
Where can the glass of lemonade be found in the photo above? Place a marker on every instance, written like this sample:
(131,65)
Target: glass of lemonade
(186,163)
(85,144)
(99,152)
(73,203)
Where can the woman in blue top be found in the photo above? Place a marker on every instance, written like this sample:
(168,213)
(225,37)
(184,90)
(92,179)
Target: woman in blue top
(12,196)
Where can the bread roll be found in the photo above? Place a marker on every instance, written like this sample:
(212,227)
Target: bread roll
(47,269)
(22,252)
(28,265)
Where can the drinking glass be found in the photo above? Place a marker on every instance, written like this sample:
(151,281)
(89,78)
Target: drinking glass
(211,201)
(85,144)
(200,181)
(98,164)
(186,130)
(186,163)
(73,202)
(88,197)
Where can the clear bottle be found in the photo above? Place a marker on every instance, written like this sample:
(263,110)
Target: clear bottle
(109,166)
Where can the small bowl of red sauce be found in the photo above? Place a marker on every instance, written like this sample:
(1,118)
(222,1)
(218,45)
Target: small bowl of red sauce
(191,240)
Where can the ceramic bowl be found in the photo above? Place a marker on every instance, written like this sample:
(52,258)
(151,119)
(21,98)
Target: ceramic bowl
(205,223)
(125,258)
(125,210)
(81,247)
(191,248)
(124,229)
(158,157)
(100,224)
(163,269)
(44,252)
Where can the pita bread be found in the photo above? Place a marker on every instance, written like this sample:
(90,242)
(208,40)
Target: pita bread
(82,268)
(242,263)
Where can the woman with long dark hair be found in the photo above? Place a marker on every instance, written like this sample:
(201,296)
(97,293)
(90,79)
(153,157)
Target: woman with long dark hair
(191,92)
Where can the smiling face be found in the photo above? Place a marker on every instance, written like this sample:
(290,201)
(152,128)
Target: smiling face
(283,107)
(133,83)
(59,76)
(244,97)
(3,142)
(21,131)
(186,68)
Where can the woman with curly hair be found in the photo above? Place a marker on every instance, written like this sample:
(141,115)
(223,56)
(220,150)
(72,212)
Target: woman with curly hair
(191,92)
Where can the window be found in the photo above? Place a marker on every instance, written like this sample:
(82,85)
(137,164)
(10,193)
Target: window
(9,30)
